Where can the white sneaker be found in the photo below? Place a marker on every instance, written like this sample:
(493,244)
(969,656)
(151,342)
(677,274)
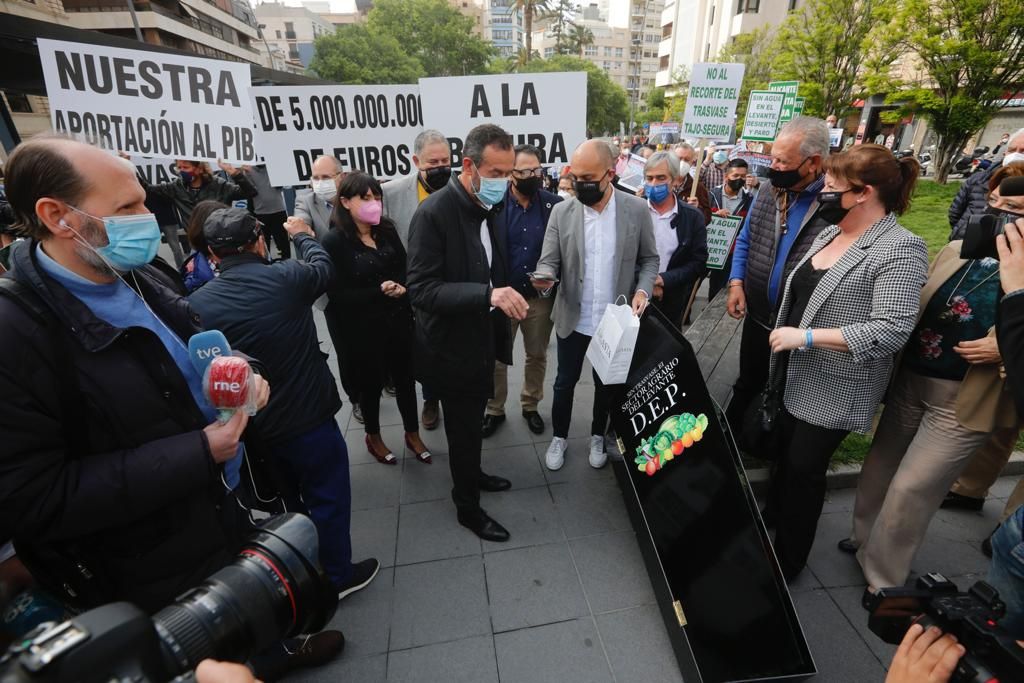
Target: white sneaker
(555,457)
(598,457)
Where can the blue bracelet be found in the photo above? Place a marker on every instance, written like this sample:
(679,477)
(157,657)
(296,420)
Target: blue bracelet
(810,339)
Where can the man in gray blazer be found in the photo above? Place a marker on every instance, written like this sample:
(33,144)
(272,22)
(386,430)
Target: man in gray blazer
(432,156)
(596,244)
(315,206)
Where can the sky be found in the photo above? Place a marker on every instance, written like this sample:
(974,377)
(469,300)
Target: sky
(338,6)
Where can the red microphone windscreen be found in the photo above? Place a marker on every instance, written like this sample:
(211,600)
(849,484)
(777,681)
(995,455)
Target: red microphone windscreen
(228,380)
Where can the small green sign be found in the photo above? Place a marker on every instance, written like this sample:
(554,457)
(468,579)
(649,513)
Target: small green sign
(790,88)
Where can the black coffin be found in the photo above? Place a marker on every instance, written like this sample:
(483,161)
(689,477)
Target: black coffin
(726,606)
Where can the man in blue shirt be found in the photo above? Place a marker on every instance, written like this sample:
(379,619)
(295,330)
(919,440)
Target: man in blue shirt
(521,224)
(776,234)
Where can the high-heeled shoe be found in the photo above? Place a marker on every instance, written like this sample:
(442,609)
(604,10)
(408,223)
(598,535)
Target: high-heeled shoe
(385,459)
(424,457)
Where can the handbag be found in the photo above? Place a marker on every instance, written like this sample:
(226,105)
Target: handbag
(760,434)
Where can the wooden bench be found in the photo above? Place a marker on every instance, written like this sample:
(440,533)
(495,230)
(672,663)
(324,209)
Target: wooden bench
(715,337)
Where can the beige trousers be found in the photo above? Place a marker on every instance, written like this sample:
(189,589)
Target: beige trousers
(536,329)
(918,451)
(986,464)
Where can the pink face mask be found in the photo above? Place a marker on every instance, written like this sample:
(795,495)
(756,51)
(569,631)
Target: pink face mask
(370,212)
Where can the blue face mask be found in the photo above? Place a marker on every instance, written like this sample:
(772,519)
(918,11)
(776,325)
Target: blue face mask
(719,157)
(132,240)
(491,190)
(657,193)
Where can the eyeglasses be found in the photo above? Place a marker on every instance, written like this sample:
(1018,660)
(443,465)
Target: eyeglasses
(524,173)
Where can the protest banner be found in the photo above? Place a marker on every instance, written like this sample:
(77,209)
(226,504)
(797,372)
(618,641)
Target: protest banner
(149,103)
(155,171)
(722,231)
(790,88)
(664,132)
(546,110)
(633,177)
(763,111)
(835,138)
(366,127)
(711,101)
(798,106)
(709,558)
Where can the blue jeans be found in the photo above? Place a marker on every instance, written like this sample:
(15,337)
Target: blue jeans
(315,463)
(1006,574)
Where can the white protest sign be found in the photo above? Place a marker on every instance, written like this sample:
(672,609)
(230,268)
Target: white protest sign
(366,127)
(155,171)
(722,231)
(632,177)
(835,137)
(711,102)
(149,103)
(546,110)
(763,111)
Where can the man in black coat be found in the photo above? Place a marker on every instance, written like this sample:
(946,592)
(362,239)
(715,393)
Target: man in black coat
(679,234)
(972,198)
(459,294)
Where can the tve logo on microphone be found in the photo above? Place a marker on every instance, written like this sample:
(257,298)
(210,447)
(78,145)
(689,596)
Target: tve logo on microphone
(205,346)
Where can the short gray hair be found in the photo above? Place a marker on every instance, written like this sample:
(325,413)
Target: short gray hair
(428,137)
(337,162)
(685,145)
(667,157)
(812,132)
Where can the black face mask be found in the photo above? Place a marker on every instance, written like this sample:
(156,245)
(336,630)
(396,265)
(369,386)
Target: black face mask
(786,179)
(737,183)
(528,186)
(589,192)
(830,207)
(437,177)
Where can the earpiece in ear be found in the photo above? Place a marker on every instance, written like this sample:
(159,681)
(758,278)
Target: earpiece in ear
(63,223)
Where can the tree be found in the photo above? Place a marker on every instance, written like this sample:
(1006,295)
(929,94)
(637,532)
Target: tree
(753,50)
(822,45)
(606,100)
(354,55)
(579,38)
(433,32)
(958,58)
(560,13)
(529,8)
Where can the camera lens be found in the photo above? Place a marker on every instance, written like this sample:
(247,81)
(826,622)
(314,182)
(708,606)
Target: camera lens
(273,589)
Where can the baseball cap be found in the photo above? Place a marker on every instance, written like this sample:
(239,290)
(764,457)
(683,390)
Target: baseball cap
(230,229)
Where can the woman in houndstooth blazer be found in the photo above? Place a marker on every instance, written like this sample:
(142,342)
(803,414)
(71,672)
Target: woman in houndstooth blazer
(847,309)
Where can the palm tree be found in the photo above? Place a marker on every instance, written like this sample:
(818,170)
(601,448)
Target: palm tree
(579,38)
(529,8)
(560,12)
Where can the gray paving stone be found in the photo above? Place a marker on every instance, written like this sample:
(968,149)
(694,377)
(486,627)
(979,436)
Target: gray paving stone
(612,571)
(839,651)
(533,586)
(364,670)
(512,432)
(435,602)
(840,500)
(463,661)
(528,514)
(848,601)
(638,647)
(577,469)
(429,531)
(375,486)
(421,482)
(1003,487)
(567,652)
(375,534)
(518,464)
(355,439)
(589,510)
(832,567)
(364,617)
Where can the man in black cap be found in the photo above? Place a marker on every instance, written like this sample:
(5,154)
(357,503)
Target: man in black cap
(266,308)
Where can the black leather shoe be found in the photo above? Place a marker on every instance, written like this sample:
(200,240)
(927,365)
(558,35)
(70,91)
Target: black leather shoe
(483,526)
(315,650)
(491,424)
(534,421)
(493,484)
(956,501)
(847,546)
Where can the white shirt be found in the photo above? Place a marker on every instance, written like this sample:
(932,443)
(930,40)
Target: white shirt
(665,237)
(485,238)
(598,266)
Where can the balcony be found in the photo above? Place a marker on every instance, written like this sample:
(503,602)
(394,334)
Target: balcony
(665,47)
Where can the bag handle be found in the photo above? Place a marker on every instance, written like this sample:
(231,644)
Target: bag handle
(625,301)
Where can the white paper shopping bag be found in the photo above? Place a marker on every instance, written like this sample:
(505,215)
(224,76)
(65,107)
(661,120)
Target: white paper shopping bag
(611,347)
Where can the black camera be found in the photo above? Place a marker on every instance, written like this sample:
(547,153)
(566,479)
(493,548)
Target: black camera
(973,617)
(982,229)
(273,589)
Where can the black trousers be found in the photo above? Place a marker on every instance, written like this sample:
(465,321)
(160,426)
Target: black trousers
(390,358)
(755,353)
(572,351)
(345,372)
(273,229)
(463,426)
(718,278)
(797,490)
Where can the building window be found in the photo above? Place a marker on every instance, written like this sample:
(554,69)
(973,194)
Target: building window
(18,103)
(618,52)
(549,52)
(792,5)
(748,6)
(590,51)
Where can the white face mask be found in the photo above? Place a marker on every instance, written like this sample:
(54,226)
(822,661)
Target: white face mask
(1013,158)
(685,169)
(565,194)
(325,189)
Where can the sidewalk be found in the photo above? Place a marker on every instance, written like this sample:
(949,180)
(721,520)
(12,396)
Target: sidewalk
(567,599)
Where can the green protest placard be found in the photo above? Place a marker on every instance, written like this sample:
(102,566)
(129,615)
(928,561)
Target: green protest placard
(763,110)
(798,106)
(790,88)
(722,233)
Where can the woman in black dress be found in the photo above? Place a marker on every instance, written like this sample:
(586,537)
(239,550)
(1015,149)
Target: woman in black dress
(369,299)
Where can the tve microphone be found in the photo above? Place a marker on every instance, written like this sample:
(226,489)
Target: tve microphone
(205,346)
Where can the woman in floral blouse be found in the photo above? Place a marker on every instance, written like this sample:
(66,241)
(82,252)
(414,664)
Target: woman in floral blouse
(945,400)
